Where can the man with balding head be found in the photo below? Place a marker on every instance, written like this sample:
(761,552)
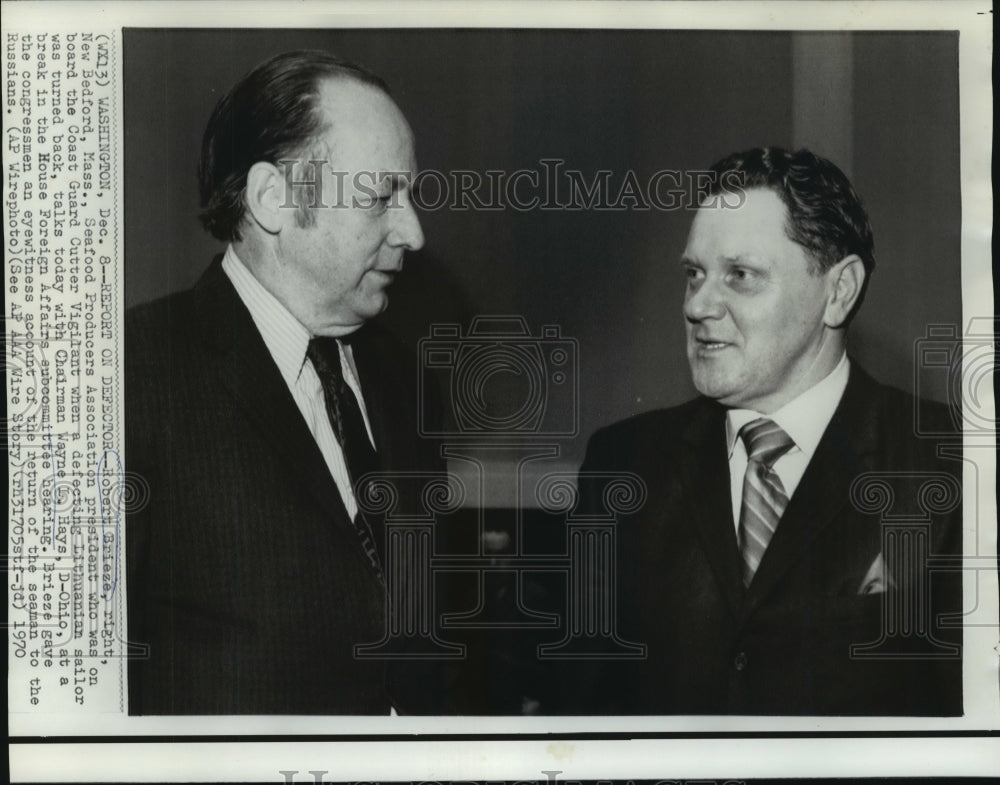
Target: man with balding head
(258,399)
(756,573)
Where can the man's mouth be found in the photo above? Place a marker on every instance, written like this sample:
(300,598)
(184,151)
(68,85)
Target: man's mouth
(707,345)
(388,275)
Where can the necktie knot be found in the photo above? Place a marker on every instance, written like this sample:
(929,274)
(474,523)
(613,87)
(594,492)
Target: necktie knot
(324,353)
(765,441)
(764,498)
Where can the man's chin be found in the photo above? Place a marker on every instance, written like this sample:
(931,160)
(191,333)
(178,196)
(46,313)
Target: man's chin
(714,387)
(372,306)
(347,320)
(735,397)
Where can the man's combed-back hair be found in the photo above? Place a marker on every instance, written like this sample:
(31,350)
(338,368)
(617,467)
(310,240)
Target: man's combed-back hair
(270,115)
(825,213)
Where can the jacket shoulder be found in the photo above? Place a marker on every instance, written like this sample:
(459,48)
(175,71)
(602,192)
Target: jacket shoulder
(899,431)
(907,415)
(926,417)
(165,318)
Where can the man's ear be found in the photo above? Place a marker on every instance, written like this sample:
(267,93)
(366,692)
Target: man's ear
(265,196)
(846,280)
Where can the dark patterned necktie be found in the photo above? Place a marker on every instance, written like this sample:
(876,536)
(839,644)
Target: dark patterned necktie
(349,427)
(764,498)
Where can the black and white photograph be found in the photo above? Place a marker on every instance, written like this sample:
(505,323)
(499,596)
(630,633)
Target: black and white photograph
(558,379)
(629,201)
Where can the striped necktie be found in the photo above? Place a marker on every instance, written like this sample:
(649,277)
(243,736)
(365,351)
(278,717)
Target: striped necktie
(348,424)
(764,498)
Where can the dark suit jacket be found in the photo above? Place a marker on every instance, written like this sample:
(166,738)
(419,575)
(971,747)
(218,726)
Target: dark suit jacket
(245,576)
(783,645)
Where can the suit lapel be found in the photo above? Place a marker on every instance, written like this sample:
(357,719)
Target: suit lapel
(823,493)
(374,387)
(704,474)
(248,372)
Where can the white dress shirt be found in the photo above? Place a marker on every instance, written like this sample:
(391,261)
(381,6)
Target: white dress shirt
(287,341)
(803,418)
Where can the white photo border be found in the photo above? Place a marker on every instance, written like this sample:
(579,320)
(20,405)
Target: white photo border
(524,748)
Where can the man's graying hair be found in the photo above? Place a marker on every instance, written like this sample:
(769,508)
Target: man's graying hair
(269,115)
(825,213)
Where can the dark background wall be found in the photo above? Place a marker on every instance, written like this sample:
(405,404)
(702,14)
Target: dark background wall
(884,106)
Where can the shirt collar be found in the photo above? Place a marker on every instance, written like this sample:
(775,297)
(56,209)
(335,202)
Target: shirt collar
(285,336)
(803,418)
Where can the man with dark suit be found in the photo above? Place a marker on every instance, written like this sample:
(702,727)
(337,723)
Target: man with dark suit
(759,573)
(258,399)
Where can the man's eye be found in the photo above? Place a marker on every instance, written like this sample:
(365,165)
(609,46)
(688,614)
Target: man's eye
(376,201)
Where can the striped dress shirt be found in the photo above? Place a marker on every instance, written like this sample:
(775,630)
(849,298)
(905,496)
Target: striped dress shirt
(287,340)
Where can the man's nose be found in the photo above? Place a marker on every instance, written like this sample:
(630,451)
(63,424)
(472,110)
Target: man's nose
(704,301)
(406,230)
